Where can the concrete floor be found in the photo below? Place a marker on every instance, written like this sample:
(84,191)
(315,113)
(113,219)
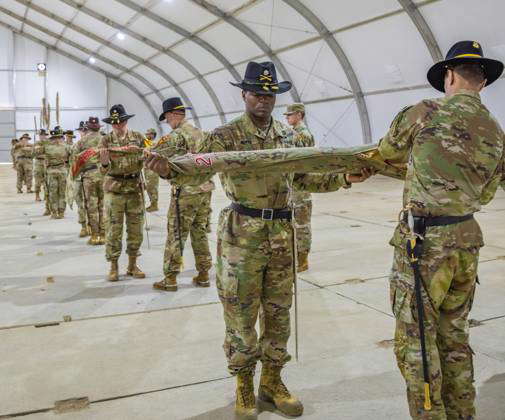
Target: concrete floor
(136,353)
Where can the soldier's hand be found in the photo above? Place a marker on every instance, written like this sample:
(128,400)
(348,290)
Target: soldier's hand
(104,157)
(365,174)
(158,164)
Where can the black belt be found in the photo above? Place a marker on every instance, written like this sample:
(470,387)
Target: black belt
(40,158)
(131,176)
(422,223)
(24,157)
(265,214)
(90,168)
(56,166)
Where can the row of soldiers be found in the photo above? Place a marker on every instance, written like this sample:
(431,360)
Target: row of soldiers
(452,152)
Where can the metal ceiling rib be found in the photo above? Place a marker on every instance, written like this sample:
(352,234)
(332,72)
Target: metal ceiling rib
(156,46)
(122,51)
(422,26)
(344,62)
(248,32)
(85,63)
(185,33)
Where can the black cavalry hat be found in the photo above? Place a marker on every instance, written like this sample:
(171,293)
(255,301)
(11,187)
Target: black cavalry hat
(57,132)
(117,115)
(93,123)
(82,126)
(172,104)
(42,132)
(262,78)
(460,53)
(70,133)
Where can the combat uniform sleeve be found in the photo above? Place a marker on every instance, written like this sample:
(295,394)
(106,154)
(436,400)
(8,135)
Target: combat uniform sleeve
(171,145)
(104,144)
(319,183)
(397,143)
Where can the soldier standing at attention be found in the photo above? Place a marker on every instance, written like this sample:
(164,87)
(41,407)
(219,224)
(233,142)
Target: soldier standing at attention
(189,205)
(69,137)
(13,155)
(255,260)
(121,162)
(57,157)
(302,203)
(23,152)
(39,170)
(92,180)
(152,178)
(455,154)
(81,211)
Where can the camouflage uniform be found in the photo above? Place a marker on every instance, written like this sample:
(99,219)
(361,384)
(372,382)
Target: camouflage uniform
(57,156)
(455,154)
(39,172)
(92,186)
(302,202)
(152,178)
(123,196)
(193,204)
(78,189)
(24,166)
(255,256)
(13,153)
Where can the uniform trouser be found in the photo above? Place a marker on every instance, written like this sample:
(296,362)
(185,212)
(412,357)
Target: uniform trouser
(39,174)
(56,183)
(303,215)
(194,211)
(152,185)
(81,212)
(450,280)
(118,209)
(24,173)
(255,276)
(93,196)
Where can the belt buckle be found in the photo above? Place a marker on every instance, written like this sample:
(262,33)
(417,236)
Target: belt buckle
(267,214)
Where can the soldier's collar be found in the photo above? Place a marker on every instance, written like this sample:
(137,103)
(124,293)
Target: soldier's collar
(466,92)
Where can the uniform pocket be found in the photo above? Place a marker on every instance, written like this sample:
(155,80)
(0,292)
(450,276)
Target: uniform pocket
(402,301)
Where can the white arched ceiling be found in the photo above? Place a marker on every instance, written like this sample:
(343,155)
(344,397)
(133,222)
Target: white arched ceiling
(352,62)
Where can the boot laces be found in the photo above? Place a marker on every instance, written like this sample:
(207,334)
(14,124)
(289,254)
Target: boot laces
(247,397)
(283,390)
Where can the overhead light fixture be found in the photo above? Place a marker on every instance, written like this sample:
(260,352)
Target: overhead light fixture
(120,36)
(92,60)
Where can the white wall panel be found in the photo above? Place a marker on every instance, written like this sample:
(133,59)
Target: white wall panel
(184,13)
(210,123)
(14,6)
(492,97)
(315,71)
(200,99)
(6,59)
(78,86)
(154,31)
(177,71)
(335,124)
(286,28)
(28,54)
(57,7)
(120,94)
(43,20)
(387,53)
(199,57)
(337,14)
(229,95)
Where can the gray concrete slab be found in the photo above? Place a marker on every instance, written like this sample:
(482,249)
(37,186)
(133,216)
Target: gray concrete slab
(138,353)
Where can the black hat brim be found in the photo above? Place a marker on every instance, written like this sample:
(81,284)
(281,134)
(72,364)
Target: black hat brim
(493,69)
(258,88)
(122,118)
(162,115)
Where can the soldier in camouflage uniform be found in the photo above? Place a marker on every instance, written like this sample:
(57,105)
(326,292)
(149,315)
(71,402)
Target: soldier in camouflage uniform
(13,155)
(69,137)
(255,263)
(152,178)
(57,156)
(455,154)
(189,209)
(78,188)
(302,202)
(39,170)
(92,181)
(121,162)
(23,152)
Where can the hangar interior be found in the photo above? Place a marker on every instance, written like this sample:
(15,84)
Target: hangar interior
(77,347)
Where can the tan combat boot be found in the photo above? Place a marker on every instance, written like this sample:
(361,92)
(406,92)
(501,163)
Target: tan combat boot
(202,279)
(47,212)
(133,269)
(37,196)
(84,231)
(273,390)
(114,271)
(168,284)
(29,191)
(303,262)
(245,403)
(94,240)
(101,239)
(152,207)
